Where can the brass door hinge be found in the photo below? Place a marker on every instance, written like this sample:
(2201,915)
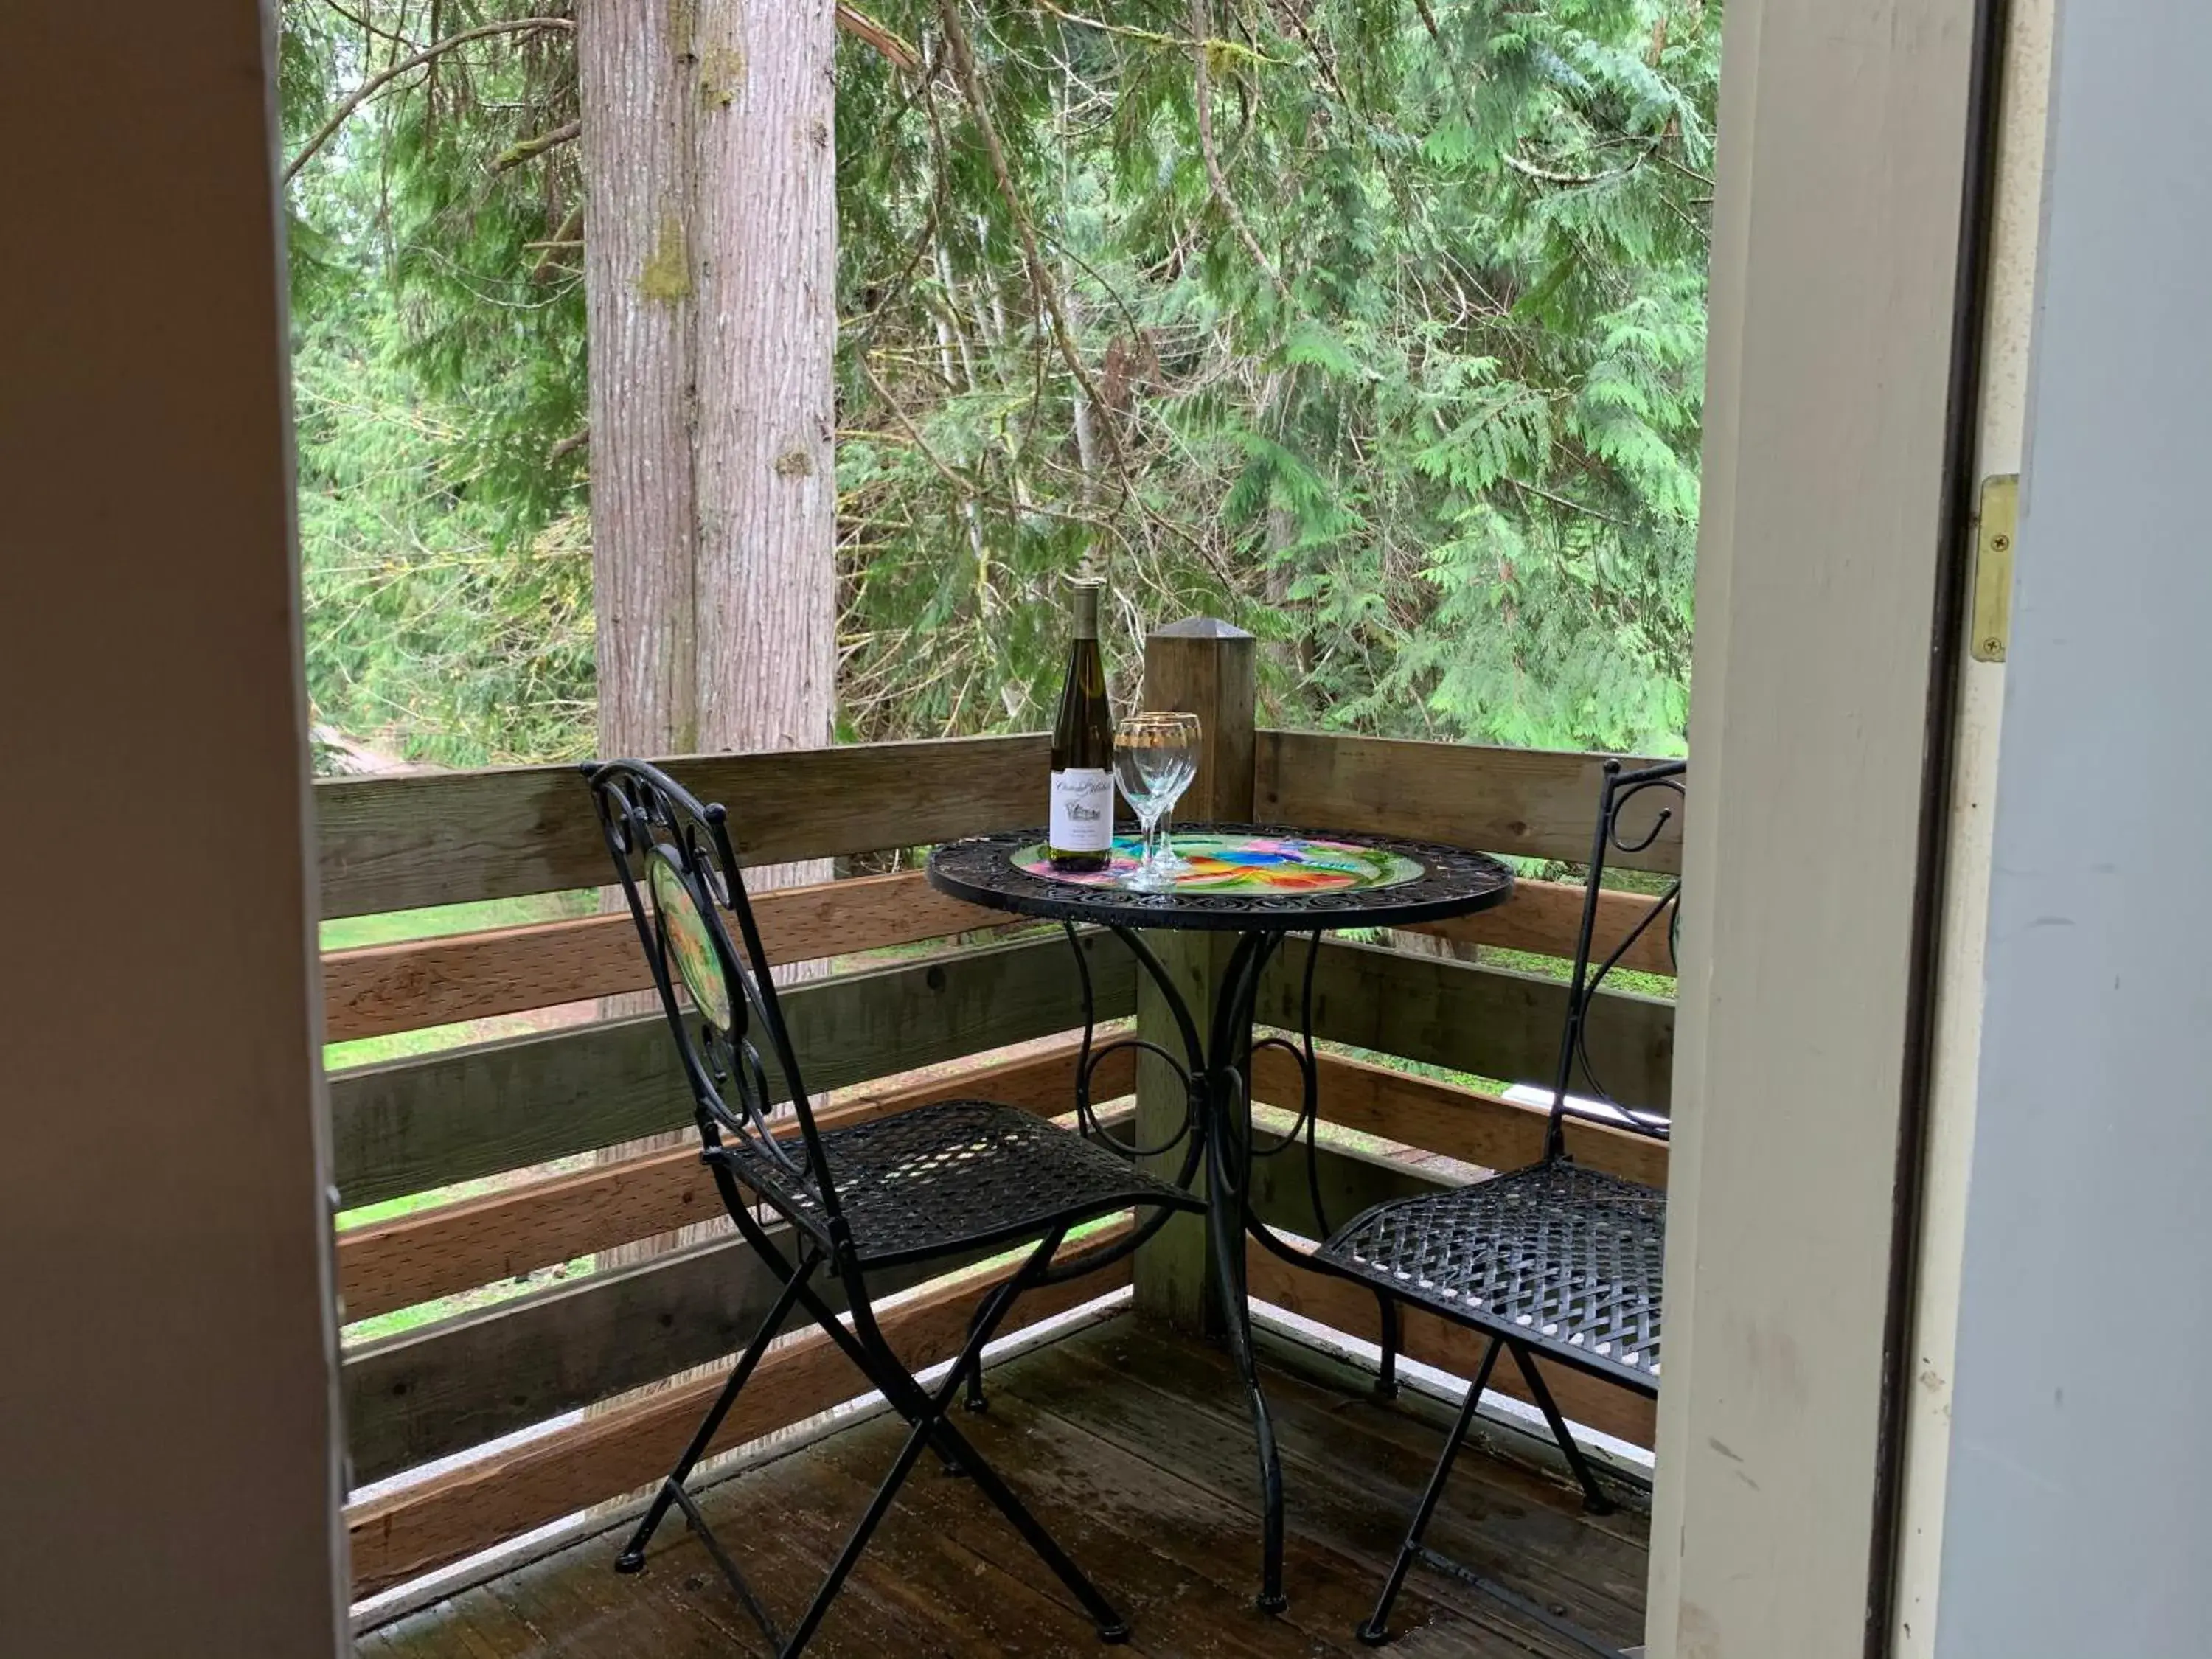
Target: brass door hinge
(1997,525)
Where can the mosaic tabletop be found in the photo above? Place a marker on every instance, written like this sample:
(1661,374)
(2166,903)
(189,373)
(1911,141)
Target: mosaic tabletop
(1236,876)
(1228,861)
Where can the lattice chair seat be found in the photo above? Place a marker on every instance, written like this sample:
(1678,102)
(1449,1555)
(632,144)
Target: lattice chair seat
(1564,1259)
(965,1173)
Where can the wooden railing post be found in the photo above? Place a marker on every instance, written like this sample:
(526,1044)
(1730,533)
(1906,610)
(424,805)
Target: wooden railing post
(1203,667)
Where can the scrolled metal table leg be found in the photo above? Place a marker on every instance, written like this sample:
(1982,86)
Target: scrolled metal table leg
(1225,1231)
(1228,1219)
(1218,1089)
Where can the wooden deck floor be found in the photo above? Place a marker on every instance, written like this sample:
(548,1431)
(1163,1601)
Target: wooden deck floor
(1134,1449)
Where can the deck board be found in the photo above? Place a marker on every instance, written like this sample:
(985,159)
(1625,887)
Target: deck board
(1133,1447)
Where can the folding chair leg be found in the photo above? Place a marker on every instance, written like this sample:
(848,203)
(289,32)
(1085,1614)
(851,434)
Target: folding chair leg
(849,1556)
(926,1412)
(1386,1381)
(988,1311)
(752,1603)
(1594,1498)
(1376,1629)
(1112,1627)
(671,1490)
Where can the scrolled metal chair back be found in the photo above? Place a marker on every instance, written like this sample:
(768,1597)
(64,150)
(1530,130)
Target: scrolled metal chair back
(674,857)
(1617,790)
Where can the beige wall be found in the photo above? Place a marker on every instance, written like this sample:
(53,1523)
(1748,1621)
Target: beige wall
(2016,222)
(167,1479)
(1843,136)
(2080,1446)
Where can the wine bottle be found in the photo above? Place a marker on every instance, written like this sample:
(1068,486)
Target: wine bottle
(1080,835)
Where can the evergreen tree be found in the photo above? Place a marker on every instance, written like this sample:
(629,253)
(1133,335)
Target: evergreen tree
(1375,326)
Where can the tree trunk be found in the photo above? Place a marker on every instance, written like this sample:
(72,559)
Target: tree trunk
(636,86)
(710,271)
(766,330)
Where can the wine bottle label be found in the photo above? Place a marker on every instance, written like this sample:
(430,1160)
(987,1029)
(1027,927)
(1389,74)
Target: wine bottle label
(1082,811)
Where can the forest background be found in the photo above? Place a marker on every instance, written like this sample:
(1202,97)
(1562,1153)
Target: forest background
(1375,326)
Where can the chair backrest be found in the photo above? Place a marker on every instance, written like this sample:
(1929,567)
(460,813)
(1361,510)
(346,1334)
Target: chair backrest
(673,858)
(1616,790)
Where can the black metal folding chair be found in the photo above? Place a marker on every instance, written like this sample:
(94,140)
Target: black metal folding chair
(1553,1259)
(940,1182)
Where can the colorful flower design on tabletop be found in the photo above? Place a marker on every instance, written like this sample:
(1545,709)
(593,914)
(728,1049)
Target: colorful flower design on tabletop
(690,944)
(1247,864)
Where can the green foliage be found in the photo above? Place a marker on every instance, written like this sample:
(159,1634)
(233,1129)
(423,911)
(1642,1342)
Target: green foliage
(1437,444)
(1448,468)
(437,371)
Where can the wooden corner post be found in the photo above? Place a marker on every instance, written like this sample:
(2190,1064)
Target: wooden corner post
(1202,667)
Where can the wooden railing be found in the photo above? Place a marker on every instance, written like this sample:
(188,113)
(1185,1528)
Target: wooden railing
(493,1108)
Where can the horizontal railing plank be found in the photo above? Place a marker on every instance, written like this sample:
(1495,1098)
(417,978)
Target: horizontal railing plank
(457,1514)
(487,1374)
(1542,917)
(380,990)
(384,988)
(413,1125)
(1351,1181)
(427,1394)
(1535,803)
(398,843)
(456,1246)
(1483,1020)
(1441,1117)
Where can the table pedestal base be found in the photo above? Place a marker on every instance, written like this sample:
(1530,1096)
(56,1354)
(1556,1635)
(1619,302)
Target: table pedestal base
(1217,1076)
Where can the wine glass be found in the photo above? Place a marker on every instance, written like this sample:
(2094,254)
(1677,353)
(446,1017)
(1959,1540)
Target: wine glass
(1155,758)
(1178,762)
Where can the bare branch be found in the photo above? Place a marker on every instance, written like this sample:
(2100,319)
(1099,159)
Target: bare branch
(862,27)
(1548,176)
(376,83)
(570,234)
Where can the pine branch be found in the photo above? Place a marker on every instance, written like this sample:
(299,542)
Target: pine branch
(1202,26)
(964,488)
(1327,70)
(1048,296)
(1153,37)
(1562,501)
(366,27)
(531,148)
(429,54)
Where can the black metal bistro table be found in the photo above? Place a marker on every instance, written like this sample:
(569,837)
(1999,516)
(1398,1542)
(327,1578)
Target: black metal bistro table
(1263,882)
